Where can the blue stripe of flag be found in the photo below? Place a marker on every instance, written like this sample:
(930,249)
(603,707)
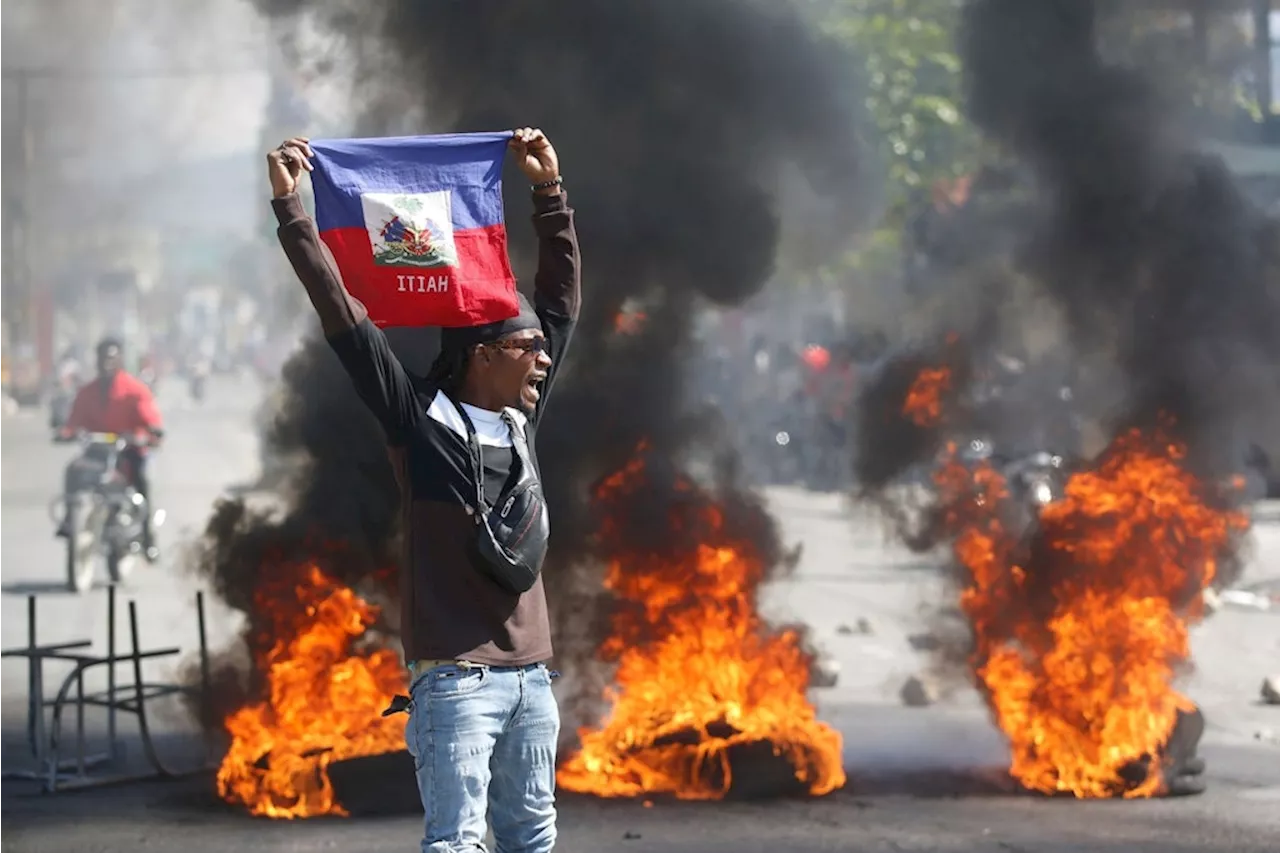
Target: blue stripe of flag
(469,164)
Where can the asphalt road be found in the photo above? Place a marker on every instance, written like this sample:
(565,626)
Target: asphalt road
(920,778)
(208,447)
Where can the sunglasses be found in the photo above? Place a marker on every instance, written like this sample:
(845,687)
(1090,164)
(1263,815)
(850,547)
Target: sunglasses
(534,345)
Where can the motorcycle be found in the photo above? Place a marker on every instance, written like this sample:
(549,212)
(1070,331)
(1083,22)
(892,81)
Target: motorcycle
(101,512)
(197,377)
(1037,479)
(1033,480)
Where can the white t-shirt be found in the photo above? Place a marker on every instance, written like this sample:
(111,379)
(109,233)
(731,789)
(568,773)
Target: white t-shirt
(491,429)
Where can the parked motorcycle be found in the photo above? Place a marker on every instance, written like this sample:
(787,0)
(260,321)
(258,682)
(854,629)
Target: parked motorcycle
(101,512)
(60,405)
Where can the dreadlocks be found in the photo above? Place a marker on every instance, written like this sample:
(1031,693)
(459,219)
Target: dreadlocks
(448,370)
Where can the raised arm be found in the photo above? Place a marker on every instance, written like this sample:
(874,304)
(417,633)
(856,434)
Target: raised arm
(337,309)
(377,374)
(558,282)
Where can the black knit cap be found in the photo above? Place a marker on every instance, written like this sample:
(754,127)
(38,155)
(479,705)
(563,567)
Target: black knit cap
(464,337)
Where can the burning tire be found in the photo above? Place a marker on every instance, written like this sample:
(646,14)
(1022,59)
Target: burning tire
(1079,602)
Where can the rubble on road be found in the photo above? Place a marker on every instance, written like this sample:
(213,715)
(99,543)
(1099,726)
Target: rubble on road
(919,691)
(925,642)
(1271,690)
(825,672)
(1246,599)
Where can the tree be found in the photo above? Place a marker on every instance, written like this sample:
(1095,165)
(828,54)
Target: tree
(914,90)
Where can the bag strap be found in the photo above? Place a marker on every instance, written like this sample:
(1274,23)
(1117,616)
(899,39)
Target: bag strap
(519,442)
(519,446)
(477,457)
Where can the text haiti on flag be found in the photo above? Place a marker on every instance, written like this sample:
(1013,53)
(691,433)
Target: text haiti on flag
(416,226)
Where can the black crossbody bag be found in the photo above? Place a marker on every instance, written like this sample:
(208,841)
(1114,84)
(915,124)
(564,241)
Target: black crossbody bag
(511,537)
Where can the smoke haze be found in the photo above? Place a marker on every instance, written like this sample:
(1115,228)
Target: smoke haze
(1157,273)
(110,107)
(675,124)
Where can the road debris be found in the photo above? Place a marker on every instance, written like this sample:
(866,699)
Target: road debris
(825,672)
(862,626)
(919,692)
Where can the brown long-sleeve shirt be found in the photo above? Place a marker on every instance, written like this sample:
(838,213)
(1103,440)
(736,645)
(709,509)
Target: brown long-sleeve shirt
(449,609)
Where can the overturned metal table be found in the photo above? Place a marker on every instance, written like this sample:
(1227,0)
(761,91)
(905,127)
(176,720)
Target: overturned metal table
(58,773)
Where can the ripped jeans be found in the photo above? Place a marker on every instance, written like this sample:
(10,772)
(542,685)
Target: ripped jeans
(483,740)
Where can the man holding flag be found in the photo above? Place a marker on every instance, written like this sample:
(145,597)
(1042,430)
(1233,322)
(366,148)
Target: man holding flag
(411,232)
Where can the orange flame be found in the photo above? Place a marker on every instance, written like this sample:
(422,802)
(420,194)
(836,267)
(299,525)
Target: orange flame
(629,322)
(323,706)
(715,677)
(1077,648)
(924,399)
(698,670)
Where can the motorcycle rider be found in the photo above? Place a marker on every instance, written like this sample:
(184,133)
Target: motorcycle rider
(198,369)
(123,404)
(70,373)
(147,370)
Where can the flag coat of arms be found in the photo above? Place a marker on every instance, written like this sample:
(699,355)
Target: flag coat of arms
(416,226)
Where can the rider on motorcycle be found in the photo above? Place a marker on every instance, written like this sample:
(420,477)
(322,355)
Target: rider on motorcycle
(123,404)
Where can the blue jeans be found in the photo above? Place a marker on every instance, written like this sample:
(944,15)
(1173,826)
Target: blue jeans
(484,739)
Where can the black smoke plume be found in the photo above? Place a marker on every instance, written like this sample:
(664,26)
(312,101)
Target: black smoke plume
(1160,273)
(1136,274)
(676,124)
(327,496)
(1129,268)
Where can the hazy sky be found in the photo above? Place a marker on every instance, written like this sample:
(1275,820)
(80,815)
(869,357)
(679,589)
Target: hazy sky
(143,122)
(119,91)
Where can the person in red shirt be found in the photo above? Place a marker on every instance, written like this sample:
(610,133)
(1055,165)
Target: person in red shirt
(121,403)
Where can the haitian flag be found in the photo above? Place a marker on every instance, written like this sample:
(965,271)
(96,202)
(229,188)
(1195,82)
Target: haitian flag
(416,226)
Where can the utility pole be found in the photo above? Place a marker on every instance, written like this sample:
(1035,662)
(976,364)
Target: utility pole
(20,295)
(1200,33)
(20,230)
(1262,69)
(28,301)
